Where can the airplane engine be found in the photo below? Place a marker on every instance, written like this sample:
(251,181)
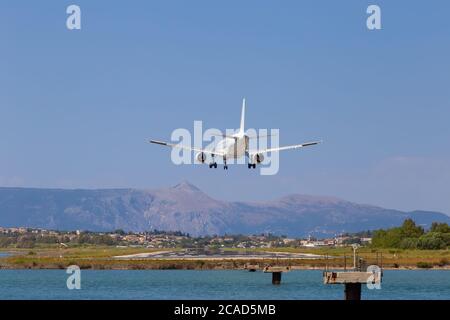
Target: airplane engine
(201,157)
(257,158)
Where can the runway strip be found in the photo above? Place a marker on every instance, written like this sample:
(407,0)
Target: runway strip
(185,255)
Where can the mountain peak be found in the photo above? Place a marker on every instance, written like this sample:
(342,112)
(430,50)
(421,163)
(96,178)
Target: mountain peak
(186,186)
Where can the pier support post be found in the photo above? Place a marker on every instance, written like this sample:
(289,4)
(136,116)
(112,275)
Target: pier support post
(276,277)
(353,291)
(276,272)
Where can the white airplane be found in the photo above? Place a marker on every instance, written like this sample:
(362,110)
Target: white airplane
(234,147)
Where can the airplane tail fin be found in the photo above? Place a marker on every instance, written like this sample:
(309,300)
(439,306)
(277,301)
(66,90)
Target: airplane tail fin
(242,128)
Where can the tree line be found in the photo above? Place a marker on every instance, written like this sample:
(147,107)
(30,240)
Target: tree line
(411,236)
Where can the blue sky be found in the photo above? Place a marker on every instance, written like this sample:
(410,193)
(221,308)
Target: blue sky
(76,107)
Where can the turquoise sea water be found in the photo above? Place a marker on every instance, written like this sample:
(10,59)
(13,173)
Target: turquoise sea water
(193,284)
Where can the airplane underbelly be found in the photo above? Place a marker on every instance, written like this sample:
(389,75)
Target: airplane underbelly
(236,151)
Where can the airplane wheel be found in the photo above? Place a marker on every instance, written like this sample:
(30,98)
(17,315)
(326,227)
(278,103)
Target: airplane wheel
(249,165)
(225,167)
(254,166)
(215,165)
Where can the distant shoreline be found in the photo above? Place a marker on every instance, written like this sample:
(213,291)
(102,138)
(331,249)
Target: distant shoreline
(113,258)
(218,267)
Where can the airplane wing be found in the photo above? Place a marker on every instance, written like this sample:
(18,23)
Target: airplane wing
(172,145)
(296,146)
(262,136)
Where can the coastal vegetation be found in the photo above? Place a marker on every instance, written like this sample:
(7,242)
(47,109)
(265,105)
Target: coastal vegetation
(411,236)
(406,246)
(105,257)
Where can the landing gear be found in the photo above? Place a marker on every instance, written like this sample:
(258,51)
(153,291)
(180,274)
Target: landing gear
(225,167)
(251,165)
(213,164)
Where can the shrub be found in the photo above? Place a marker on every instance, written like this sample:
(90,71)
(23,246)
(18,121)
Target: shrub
(443,262)
(409,243)
(431,241)
(424,265)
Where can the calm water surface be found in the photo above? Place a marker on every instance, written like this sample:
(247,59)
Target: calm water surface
(230,284)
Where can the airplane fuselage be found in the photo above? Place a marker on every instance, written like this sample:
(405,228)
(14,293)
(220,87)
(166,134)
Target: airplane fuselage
(233,148)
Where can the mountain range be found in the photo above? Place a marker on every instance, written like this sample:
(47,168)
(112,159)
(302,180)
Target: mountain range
(186,208)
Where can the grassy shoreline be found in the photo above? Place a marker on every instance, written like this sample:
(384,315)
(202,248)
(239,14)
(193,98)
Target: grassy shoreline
(102,258)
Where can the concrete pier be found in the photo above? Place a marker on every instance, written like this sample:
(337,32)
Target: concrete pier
(276,272)
(276,278)
(352,291)
(352,281)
